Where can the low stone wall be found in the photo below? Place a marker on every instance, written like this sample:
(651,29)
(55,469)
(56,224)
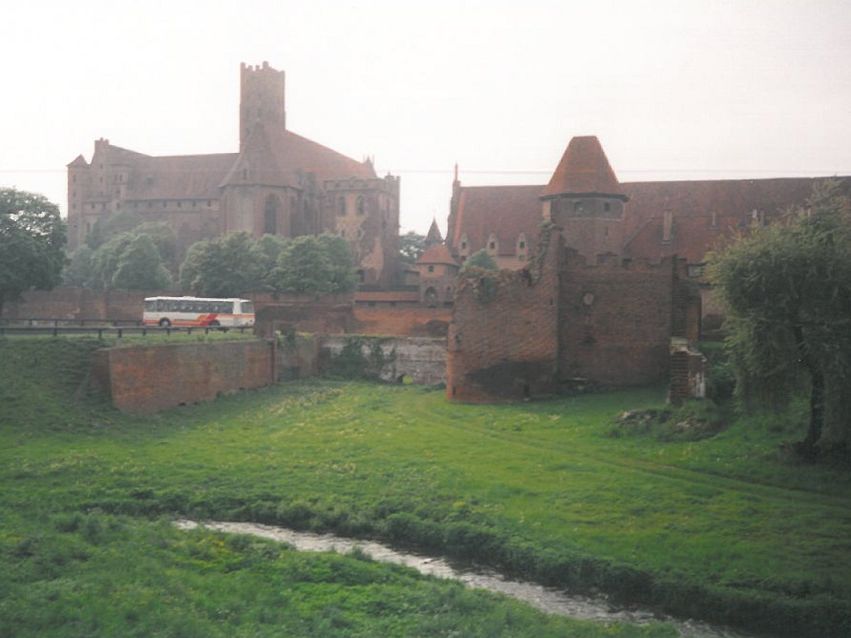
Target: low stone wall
(145,379)
(391,359)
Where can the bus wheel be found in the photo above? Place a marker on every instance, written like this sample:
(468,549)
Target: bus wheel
(165,323)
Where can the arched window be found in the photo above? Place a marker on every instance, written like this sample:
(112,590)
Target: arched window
(361,207)
(270,215)
(341,206)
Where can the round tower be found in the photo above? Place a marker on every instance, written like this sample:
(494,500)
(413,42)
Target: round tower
(586,200)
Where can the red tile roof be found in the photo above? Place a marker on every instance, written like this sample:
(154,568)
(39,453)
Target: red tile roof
(178,176)
(437,254)
(584,168)
(692,204)
(277,157)
(505,211)
(508,210)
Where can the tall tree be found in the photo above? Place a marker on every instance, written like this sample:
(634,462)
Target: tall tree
(140,266)
(221,267)
(78,271)
(787,290)
(32,243)
(342,277)
(315,264)
(411,246)
(480,259)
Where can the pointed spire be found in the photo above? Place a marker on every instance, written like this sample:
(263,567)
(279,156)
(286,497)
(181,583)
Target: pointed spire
(434,236)
(584,169)
(455,179)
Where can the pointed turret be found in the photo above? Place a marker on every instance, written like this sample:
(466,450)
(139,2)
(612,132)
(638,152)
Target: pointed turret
(433,236)
(584,169)
(585,199)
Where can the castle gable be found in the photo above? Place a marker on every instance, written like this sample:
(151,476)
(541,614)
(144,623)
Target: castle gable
(505,211)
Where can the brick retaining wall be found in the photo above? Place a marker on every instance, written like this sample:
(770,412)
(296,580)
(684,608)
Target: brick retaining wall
(144,379)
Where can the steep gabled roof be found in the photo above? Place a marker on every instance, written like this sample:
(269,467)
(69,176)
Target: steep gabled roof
(694,204)
(179,176)
(506,211)
(437,254)
(583,169)
(78,161)
(278,156)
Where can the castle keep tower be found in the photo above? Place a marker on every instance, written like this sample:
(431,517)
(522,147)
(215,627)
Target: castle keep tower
(261,99)
(586,200)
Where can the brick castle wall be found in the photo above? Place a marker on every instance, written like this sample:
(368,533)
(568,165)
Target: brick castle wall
(79,303)
(615,321)
(503,341)
(145,379)
(409,321)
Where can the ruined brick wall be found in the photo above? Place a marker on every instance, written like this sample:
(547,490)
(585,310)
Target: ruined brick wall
(615,321)
(145,379)
(688,372)
(503,340)
(407,321)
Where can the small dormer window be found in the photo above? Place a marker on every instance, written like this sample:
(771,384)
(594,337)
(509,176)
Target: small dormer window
(431,268)
(360,206)
(463,245)
(522,244)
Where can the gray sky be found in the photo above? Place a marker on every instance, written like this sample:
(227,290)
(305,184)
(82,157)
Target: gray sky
(674,90)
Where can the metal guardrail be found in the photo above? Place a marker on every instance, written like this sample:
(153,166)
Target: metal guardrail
(118,332)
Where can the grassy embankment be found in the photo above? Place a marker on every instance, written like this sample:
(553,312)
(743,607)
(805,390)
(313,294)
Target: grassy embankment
(718,528)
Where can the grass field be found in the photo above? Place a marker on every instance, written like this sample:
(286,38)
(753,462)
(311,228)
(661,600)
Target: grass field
(721,528)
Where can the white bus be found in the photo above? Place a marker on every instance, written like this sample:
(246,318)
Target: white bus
(192,312)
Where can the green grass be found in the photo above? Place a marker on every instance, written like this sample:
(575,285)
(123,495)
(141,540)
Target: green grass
(720,527)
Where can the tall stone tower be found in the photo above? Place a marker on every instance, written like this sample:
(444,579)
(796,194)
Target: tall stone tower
(586,200)
(261,99)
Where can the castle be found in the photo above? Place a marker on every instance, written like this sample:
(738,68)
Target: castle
(602,282)
(598,277)
(277,183)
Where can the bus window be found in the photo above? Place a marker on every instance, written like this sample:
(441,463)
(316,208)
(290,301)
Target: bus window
(247,307)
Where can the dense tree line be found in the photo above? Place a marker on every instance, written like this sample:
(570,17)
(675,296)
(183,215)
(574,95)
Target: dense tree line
(125,252)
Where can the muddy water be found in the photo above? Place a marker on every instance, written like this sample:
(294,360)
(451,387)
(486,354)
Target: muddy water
(549,600)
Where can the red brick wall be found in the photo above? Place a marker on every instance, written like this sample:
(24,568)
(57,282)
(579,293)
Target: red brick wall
(402,321)
(615,321)
(505,347)
(79,303)
(145,379)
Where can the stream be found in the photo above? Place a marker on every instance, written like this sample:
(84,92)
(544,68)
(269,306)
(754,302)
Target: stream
(546,599)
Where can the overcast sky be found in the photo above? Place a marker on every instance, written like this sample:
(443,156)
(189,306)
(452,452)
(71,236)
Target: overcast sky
(674,90)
